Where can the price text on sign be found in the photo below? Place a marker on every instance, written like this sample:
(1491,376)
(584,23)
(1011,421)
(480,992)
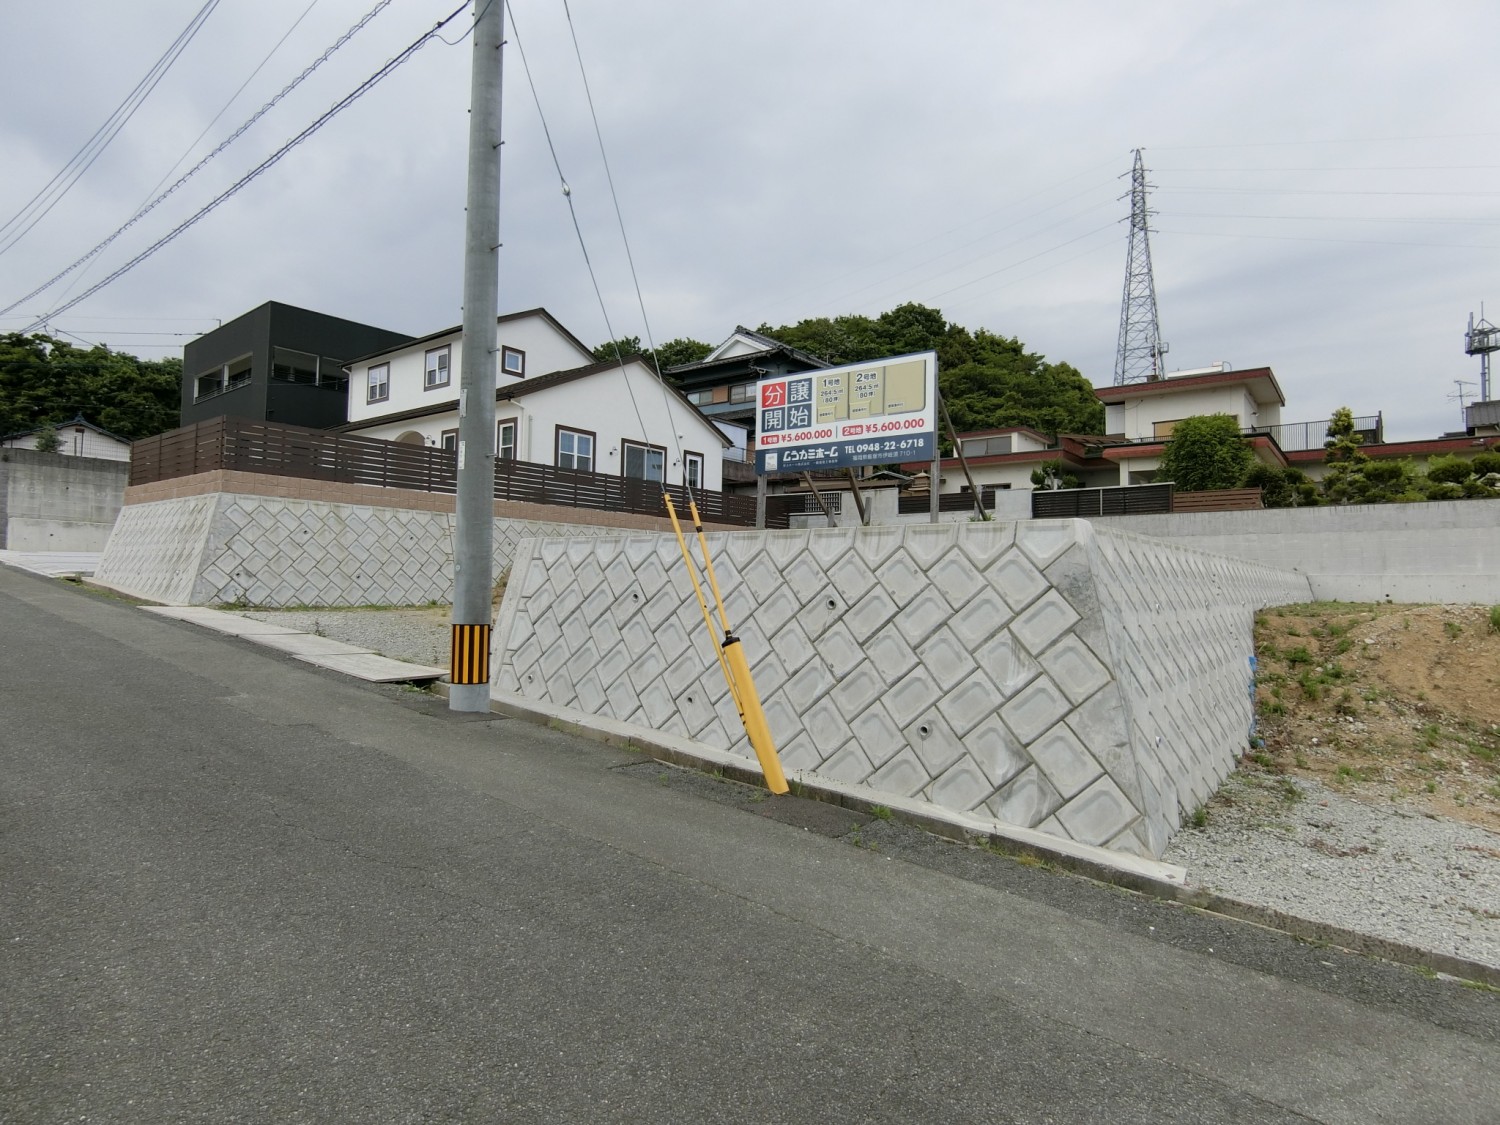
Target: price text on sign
(829,419)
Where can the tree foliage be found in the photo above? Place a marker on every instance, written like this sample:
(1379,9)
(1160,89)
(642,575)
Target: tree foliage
(1206,452)
(1051,474)
(673,353)
(44,380)
(987,380)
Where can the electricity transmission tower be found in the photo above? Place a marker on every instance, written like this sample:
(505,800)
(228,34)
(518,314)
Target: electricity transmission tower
(1138,359)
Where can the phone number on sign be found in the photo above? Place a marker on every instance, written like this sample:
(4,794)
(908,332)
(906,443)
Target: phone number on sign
(889,446)
(851,429)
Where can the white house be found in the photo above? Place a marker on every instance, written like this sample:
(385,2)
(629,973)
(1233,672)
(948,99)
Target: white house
(554,405)
(76,439)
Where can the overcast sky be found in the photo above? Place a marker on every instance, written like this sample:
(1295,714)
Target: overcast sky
(1326,196)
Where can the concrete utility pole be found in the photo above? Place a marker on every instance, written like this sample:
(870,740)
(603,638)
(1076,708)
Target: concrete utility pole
(474,533)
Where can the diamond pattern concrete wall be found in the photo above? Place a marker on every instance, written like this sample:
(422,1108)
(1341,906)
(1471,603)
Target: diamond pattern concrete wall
(1090,684)
(271,551)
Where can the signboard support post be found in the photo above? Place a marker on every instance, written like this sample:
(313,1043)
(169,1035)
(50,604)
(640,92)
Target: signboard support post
(818,496)
(760,502)
(963,462)
(859,500)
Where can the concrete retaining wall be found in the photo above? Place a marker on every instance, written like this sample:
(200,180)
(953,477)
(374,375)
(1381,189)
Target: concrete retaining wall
(54,502)
(1082,681)
(1444,551)
(223,547)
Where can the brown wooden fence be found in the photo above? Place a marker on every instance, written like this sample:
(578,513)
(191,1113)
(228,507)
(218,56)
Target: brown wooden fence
(295,451)
(1219,500)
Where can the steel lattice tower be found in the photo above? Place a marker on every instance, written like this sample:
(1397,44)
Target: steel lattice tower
(1138,359)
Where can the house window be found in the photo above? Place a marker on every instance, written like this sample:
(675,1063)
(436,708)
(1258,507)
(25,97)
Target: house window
(505,440)
(692,470)
(742,392)
(437,368)
(450,439)
(987,446)
(575,450)
(1164,429)
(700,398)
(378,383)
(512,361)
(644,462)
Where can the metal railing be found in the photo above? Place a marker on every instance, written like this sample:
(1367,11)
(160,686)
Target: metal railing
(1295,436)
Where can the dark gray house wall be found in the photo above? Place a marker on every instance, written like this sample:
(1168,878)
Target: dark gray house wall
(277,363)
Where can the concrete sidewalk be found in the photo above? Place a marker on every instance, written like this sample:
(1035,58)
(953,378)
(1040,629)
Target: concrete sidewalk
(351,660)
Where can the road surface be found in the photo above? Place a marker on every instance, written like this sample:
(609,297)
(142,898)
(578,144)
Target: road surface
(237,888)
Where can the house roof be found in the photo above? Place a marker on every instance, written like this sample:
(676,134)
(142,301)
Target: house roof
(76,420)
(524,387)
(768,347)
(1129,451)
(1259,381)
(458,328)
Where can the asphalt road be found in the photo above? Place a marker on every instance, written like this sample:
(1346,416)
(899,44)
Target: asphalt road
(236,888)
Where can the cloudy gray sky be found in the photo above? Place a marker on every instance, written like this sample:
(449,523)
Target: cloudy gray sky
(1325,173)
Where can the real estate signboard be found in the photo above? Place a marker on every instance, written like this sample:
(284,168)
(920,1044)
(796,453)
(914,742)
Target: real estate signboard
(863,414)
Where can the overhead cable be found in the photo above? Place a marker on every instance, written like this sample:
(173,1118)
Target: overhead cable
(145,210)
(56,188)
(343,104)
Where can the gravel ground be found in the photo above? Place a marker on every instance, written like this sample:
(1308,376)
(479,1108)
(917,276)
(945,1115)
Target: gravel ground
(1290,844)
(1393,872)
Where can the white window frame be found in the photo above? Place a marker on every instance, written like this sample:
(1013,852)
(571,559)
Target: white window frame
(507,354)
(383,394)
(505,449)
(742,392)
(437,362)
(448,440)
(581,452)
(692,469)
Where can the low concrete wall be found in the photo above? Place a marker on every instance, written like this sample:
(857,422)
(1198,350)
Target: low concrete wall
(54,502)
(1443,551)
(1082,681)
(219,547)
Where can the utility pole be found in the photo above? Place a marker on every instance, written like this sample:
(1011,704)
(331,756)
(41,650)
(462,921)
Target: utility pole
(474,510)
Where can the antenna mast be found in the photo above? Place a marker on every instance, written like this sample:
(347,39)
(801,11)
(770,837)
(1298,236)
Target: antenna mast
(1138,359)
(1481,339)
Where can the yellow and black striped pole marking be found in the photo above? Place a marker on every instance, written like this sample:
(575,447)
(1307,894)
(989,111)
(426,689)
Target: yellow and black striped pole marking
(470,663)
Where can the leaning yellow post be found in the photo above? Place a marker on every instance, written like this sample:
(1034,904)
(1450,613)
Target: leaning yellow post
(732,660)
(753,717)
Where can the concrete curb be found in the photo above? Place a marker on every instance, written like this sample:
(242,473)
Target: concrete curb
(1159,880)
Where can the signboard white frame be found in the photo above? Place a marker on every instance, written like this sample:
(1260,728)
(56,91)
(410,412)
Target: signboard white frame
(874,413)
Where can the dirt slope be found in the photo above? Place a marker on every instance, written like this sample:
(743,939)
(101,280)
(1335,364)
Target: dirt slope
(1388,703)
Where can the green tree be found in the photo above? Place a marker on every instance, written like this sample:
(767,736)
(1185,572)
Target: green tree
(1051,474)
(987,380)
(1206,452)
(674,353)
(47,440)
(47,380)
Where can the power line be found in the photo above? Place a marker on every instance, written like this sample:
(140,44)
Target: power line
(1353,168)
(56,188)
(1313,191)
(196,168)
(1349,241)
(343,104)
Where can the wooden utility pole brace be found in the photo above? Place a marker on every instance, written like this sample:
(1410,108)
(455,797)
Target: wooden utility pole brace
(958,449)
(859,500)
(818,496)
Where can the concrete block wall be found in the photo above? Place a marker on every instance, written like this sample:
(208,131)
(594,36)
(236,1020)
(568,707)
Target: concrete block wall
(219,547)
(991,669)
(56,502)
(1442,551)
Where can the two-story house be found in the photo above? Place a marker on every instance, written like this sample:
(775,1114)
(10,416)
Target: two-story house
(554,404)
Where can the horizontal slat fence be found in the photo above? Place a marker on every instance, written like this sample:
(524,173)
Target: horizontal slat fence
(295,451)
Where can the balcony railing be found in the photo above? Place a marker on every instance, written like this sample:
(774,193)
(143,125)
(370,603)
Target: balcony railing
(1296,436)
